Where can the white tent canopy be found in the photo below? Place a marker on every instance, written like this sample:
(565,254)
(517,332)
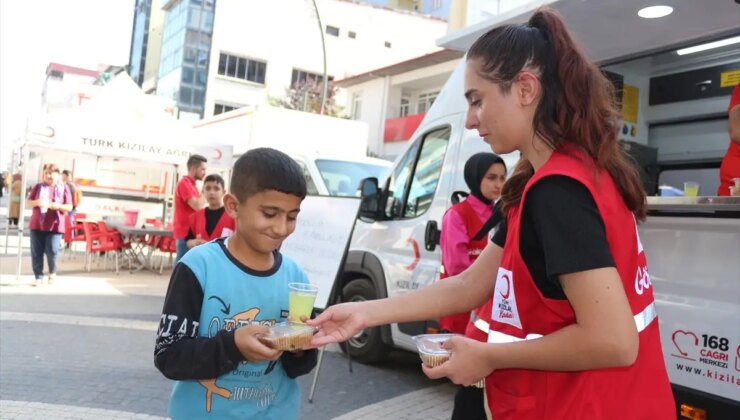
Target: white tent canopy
(119,121)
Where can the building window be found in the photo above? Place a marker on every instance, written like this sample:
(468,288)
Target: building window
(352,35)
(221,108)
(332,30)
(242,68)
(426,100)
(387,44)
(356,105)
(436,4)
(56,75)
(403,110)
(300,76)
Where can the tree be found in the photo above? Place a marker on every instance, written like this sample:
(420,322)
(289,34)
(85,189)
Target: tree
(306,96)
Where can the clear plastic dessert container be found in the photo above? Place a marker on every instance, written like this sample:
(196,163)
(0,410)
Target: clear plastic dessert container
(430,348)
(289,336)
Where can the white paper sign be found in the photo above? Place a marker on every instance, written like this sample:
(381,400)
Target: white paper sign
(319,241)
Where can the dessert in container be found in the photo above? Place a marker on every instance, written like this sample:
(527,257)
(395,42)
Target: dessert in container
(289,336)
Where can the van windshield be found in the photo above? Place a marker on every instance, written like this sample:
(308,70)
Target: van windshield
(342,178)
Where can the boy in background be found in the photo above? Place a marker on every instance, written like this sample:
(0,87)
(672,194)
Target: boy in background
(212,221)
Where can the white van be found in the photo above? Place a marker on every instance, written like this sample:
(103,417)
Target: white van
(339,176)
(692,243)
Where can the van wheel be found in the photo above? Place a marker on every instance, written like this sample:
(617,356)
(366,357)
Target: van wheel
(367,346)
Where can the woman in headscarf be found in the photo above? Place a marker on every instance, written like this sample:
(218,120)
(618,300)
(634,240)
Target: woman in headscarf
(464,236)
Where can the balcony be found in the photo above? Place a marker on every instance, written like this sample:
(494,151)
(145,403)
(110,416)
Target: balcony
(402,128)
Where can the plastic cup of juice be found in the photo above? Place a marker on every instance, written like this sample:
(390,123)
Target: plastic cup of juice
(690,189)
(300,300)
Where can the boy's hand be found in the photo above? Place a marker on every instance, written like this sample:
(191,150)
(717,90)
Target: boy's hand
(249,345)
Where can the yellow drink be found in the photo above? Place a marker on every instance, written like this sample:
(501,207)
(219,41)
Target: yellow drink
(300,304)
(690,189)
(300,300)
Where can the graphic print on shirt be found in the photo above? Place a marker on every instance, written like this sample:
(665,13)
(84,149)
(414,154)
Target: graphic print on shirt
(264,395)
(504,299)
(642,278)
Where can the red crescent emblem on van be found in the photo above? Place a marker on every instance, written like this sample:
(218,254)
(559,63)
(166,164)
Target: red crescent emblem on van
(219,154)
(417,255)
(508,286)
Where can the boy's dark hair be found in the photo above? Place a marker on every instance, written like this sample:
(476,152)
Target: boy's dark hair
(67,172)
(195,160)
(266,169)
(217,179)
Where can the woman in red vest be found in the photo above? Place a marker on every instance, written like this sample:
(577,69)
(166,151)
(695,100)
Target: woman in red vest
(573,327)
(210,222)
(464,236)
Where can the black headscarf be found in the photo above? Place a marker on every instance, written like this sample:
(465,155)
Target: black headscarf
(476,168)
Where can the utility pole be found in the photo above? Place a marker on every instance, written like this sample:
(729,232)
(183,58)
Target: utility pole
(323,47)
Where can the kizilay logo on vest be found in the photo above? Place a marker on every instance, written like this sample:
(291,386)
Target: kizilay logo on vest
(504,299)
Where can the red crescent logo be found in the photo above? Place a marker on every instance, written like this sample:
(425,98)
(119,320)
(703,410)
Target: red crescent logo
(219,153)
(417,256)
(48,132)
(508,286)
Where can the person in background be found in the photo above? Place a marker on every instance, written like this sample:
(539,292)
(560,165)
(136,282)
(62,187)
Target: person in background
(14,208)
(463,238)
(484,175)
(76,193)
(730,168)
(49,199)
(211,222)
(187,201)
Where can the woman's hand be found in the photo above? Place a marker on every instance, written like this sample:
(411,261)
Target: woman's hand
(469,362)
(338,323)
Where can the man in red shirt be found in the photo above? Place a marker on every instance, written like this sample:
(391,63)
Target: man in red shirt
(187,201)
(730,167)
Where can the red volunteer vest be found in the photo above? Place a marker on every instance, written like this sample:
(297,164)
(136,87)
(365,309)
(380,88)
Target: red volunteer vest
(519,311)
(224,227)
(458,322)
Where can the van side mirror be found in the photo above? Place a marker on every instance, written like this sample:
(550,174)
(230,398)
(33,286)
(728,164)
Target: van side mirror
(369,196)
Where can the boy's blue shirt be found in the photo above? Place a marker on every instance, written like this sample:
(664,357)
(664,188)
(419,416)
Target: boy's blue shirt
(234,295)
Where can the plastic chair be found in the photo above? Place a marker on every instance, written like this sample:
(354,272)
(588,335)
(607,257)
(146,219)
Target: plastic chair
(79,233)
(167,245)
(97,242)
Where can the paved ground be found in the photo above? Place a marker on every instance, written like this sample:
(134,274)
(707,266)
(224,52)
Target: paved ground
(82,348)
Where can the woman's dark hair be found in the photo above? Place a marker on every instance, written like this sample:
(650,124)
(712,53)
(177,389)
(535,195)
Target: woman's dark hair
(577,105)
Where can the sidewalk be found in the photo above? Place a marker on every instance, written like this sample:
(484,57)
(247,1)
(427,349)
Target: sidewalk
(82,313)
(73,279)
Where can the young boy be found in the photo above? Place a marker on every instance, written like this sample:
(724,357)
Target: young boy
(210,222)
(224,294)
